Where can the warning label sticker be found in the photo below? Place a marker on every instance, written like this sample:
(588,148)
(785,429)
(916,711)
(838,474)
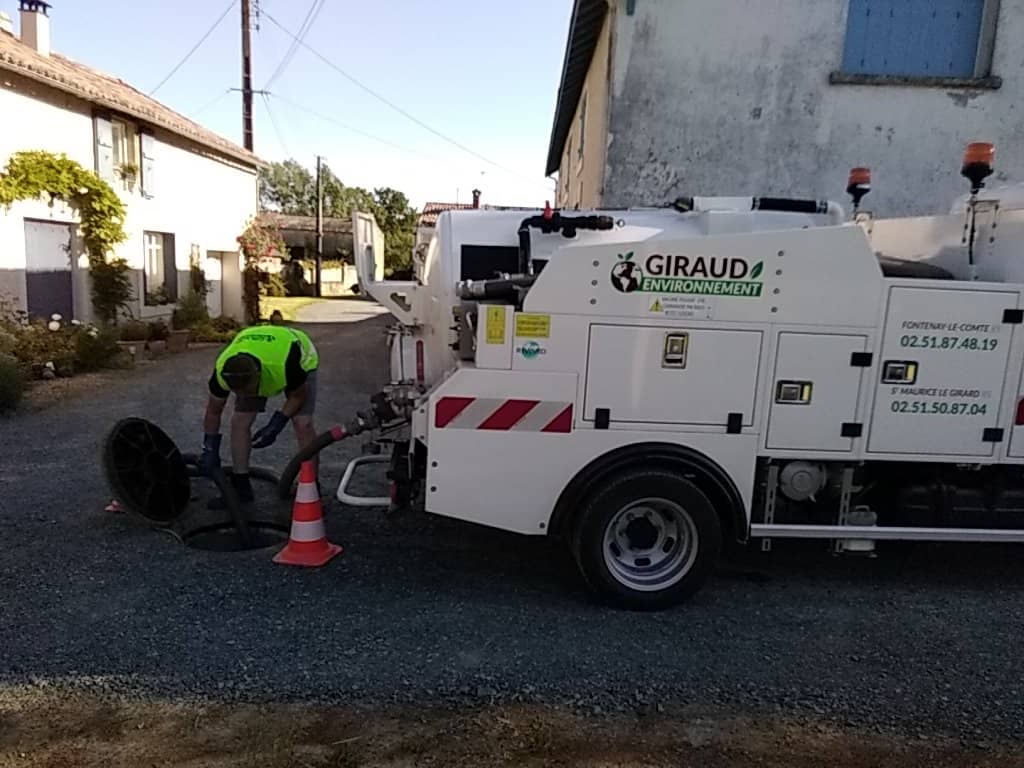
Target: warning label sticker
(686,307)
(495,328)
(533,326)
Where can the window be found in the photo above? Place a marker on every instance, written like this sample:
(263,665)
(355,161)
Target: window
(159,273)
(125,154)
(919,38)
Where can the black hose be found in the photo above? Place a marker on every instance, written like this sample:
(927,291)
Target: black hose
(789,205)
(227,492)
(291,471)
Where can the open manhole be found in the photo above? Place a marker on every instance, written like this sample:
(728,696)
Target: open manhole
(223,537)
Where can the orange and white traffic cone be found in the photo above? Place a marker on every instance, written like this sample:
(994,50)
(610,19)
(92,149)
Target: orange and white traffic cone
(308,545)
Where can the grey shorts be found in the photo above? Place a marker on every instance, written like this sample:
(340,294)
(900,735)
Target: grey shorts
(255,404)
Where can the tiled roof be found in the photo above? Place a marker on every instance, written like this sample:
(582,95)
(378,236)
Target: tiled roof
(109,92)
(305,223)
(432,210)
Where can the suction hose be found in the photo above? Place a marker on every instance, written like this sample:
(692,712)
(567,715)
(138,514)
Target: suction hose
(335,434)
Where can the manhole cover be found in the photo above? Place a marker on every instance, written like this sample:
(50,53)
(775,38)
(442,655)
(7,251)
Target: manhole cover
(146,471)
(223,537)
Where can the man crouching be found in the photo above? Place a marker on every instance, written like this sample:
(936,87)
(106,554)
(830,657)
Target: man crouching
(261,362)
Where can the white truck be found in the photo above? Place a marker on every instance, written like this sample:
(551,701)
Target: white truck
(650,383)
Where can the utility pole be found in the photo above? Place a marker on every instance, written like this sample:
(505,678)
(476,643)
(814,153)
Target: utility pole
(319,222)
(246,76)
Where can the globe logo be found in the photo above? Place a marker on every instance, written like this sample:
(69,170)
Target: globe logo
(530,349)
(626,275)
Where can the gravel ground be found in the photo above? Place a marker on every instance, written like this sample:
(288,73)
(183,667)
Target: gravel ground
(921,641)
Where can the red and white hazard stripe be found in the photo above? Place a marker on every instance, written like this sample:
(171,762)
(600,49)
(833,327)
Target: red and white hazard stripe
(503,414)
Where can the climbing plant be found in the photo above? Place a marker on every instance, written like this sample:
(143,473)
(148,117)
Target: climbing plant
(258,240)
(35,174)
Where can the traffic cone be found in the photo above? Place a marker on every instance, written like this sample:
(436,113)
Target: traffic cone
(308,545)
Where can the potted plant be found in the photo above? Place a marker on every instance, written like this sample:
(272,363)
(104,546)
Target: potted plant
(128,172)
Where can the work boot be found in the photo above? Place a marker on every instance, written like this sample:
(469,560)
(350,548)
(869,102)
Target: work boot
(243,489)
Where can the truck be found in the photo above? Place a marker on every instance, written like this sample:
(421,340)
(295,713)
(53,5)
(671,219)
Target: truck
(652,385)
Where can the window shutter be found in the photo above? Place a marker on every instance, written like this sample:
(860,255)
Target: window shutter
(148,165)
(915,38)
(104,135)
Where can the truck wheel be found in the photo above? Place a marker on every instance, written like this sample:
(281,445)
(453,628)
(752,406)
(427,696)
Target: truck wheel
(647,539)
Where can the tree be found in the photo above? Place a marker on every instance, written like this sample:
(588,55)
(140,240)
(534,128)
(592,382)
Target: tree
(397,220)
(290,188)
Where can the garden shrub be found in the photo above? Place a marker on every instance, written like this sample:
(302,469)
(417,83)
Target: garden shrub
(225,323)
(134,330)
(191,311)
(95,349)
(12,383)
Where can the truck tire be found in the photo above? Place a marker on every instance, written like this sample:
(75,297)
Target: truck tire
(646,539)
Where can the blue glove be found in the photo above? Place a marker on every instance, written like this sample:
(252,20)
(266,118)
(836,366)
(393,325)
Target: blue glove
(268,434)
(209,460)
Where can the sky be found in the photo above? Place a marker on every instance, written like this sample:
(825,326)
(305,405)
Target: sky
(484,74)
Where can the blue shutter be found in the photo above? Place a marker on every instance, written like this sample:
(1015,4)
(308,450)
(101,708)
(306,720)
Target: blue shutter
(923,38)
(148,169)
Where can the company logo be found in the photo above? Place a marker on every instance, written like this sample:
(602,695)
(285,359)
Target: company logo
(703,275)
(531,349)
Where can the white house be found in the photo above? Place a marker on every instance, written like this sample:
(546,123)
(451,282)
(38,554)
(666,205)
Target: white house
(189,193)
(667,98)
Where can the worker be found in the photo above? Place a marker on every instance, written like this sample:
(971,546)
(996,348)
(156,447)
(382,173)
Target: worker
(261,362)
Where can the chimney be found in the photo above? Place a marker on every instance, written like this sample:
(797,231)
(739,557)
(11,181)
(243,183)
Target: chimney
(35,25)
(476,198)
(6,25)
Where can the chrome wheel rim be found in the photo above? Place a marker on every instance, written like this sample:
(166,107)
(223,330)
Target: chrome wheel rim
(650,544)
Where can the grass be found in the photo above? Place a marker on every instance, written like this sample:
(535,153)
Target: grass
(288,305)
(43,728)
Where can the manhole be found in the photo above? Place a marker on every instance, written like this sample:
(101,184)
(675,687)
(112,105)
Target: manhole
(223,537)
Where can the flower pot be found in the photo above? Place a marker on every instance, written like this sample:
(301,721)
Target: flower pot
(177,341)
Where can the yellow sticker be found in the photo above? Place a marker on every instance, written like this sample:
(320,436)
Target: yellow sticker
(656,306)
(533,326)
(495,324)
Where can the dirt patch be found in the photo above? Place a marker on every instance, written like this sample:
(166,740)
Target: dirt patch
(47,730)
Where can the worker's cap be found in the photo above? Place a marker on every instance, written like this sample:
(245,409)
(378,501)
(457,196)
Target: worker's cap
(241,371)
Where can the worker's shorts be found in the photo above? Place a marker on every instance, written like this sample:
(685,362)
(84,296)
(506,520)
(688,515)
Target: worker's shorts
(256,404)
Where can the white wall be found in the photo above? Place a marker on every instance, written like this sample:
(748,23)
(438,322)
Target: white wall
(722,98)
(197,199)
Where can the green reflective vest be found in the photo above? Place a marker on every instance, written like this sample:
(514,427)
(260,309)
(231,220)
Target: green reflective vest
(270,344)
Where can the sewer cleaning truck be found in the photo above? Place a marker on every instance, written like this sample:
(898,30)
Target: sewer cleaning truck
(652,384)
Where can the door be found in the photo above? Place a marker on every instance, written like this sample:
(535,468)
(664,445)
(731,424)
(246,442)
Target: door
(665,375)
(367,248)
(814,391)
(214,269)
(48,279)
(940,377)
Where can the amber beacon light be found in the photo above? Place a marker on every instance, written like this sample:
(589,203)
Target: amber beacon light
(979,160)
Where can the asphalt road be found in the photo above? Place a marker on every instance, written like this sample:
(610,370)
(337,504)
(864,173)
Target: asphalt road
(429,609)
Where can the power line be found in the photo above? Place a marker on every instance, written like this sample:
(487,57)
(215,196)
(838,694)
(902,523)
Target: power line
(273,122)
(194,48)
(212,101)
(307,24)
(397,108)
(347,127)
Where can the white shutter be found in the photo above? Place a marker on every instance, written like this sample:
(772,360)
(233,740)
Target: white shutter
(148,165)
(104,136)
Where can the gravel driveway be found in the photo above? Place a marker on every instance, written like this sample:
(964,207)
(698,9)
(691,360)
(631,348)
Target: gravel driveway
(920,641)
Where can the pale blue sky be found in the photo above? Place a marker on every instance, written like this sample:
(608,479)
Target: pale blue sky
(483,72)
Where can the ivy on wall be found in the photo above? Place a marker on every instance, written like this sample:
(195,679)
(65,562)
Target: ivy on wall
(35,174)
